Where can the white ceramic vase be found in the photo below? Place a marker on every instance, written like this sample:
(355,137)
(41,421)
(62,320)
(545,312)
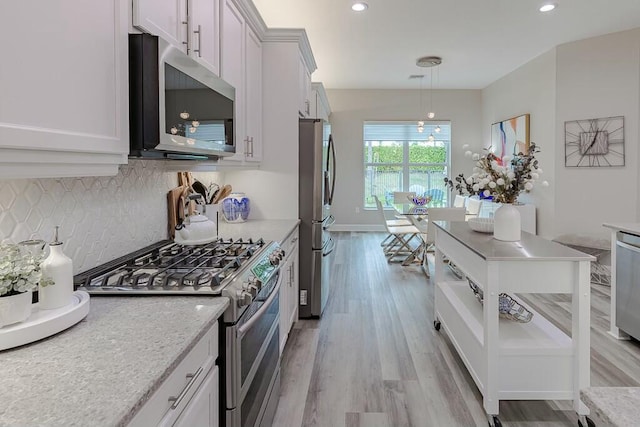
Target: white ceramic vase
(14,309)
(506,223)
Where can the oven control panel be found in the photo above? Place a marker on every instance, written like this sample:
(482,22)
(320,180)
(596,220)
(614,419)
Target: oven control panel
(268,264)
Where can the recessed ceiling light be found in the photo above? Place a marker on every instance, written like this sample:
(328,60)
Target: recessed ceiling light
(359,6)
(547,7)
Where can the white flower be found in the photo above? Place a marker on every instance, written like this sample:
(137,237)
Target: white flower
(476,156)
(539,170)
(492,184)
(528,186)
(476,187)
(511,175)
(465,146)
(545,183)
(500,182)
(469,180)
(468,154)
(487,193)
(535,175)
(506,159)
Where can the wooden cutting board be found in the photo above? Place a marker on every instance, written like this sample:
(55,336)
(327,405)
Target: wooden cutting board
(175,213)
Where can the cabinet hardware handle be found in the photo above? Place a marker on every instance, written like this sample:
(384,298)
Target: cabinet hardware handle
(192,380)
(251,145)
(307,105)
(199,33)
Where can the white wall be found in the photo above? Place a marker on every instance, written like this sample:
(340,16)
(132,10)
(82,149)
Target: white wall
(350,108)
(530,89)
(598,77)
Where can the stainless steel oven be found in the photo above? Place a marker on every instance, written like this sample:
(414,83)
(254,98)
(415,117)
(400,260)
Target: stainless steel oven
(253,360)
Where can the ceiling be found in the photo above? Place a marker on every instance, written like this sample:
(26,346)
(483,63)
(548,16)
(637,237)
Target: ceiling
(479,41)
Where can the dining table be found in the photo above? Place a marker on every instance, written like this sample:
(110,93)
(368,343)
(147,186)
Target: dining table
(418,216)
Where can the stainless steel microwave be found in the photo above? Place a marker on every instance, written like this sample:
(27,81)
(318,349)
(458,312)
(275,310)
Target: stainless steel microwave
(178,109)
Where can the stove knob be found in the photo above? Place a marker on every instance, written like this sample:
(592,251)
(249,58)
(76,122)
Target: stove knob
(244,298)
(274,260)
(255,282)
(280,253)
(253,290)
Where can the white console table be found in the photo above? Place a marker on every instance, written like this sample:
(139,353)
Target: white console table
(506,359)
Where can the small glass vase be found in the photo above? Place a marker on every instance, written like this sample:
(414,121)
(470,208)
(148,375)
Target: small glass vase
(507,223)
(15,308)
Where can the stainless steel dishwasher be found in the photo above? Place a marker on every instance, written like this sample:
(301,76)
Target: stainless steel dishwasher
(628,284)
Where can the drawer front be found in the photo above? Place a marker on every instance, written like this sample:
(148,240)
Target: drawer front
(174,393)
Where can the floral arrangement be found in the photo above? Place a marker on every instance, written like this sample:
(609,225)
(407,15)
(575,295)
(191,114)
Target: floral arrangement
(504,182)
(19,272)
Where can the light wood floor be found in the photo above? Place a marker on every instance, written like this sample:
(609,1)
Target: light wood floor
(375,360)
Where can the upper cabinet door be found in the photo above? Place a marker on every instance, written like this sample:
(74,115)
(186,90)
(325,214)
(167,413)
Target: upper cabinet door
(63,87)
(163,18)
(205,33)
(253,92)
(232,48)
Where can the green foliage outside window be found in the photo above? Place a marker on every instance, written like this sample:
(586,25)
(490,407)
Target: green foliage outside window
(417,154)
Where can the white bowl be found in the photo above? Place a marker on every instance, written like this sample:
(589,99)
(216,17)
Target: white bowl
(482,225)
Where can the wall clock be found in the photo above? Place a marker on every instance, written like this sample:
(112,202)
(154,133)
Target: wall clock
(594,142)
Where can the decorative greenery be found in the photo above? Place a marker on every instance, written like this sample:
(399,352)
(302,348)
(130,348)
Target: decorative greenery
(19,272)
(504,183)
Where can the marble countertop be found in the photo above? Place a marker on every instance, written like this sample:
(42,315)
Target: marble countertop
(630,227)
(100,371)
(269,230)
(529,248)
(613,406)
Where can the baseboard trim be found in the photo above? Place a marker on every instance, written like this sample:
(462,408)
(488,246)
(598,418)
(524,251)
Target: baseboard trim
(357,227)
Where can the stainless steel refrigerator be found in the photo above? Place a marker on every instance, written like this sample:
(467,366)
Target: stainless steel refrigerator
(317,179)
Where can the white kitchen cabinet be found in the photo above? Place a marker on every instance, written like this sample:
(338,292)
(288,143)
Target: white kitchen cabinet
(320,108)
(190,25)
(304,83)
(204,16)
(253,96)
(289,287)
(190,394)
(164,18)
(507,359)
(203,408)
(64,103)
(241,58)
(232,53)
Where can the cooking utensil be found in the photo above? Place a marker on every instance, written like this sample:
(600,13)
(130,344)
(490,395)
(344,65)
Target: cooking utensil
(212,191)
(224,192)
(174,209)
(199,188)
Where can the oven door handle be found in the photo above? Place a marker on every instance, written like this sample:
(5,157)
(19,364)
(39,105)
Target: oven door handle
(242,330)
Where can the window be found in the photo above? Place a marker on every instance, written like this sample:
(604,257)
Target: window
(399,158)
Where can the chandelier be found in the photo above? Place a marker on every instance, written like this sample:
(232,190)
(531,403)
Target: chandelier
(429,62)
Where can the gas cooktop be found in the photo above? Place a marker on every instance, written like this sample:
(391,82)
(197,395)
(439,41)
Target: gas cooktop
(170,268)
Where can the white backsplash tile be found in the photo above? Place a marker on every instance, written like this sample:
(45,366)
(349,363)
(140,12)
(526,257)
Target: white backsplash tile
(100,218)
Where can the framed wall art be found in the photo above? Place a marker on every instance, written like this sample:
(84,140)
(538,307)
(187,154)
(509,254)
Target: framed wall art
(594,142)
(511,136)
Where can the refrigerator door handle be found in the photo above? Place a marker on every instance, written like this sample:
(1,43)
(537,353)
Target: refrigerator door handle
(332,151)
(328,222)
(329,247)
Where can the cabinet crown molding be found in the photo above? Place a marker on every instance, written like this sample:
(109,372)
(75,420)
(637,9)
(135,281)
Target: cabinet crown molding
(252,17)
(294,35)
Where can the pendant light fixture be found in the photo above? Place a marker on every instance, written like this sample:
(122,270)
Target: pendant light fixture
(430,62)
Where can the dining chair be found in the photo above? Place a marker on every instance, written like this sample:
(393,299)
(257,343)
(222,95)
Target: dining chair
(400,197)
(459,201)
(401,233)
(438,214)
(473,207)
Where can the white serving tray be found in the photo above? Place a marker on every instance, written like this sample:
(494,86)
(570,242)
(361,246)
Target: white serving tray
(44,323)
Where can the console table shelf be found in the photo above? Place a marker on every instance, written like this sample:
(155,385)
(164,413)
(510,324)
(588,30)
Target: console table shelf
(510,360)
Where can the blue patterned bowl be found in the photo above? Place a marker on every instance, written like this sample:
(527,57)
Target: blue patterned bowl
(419,200)
(235,207)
